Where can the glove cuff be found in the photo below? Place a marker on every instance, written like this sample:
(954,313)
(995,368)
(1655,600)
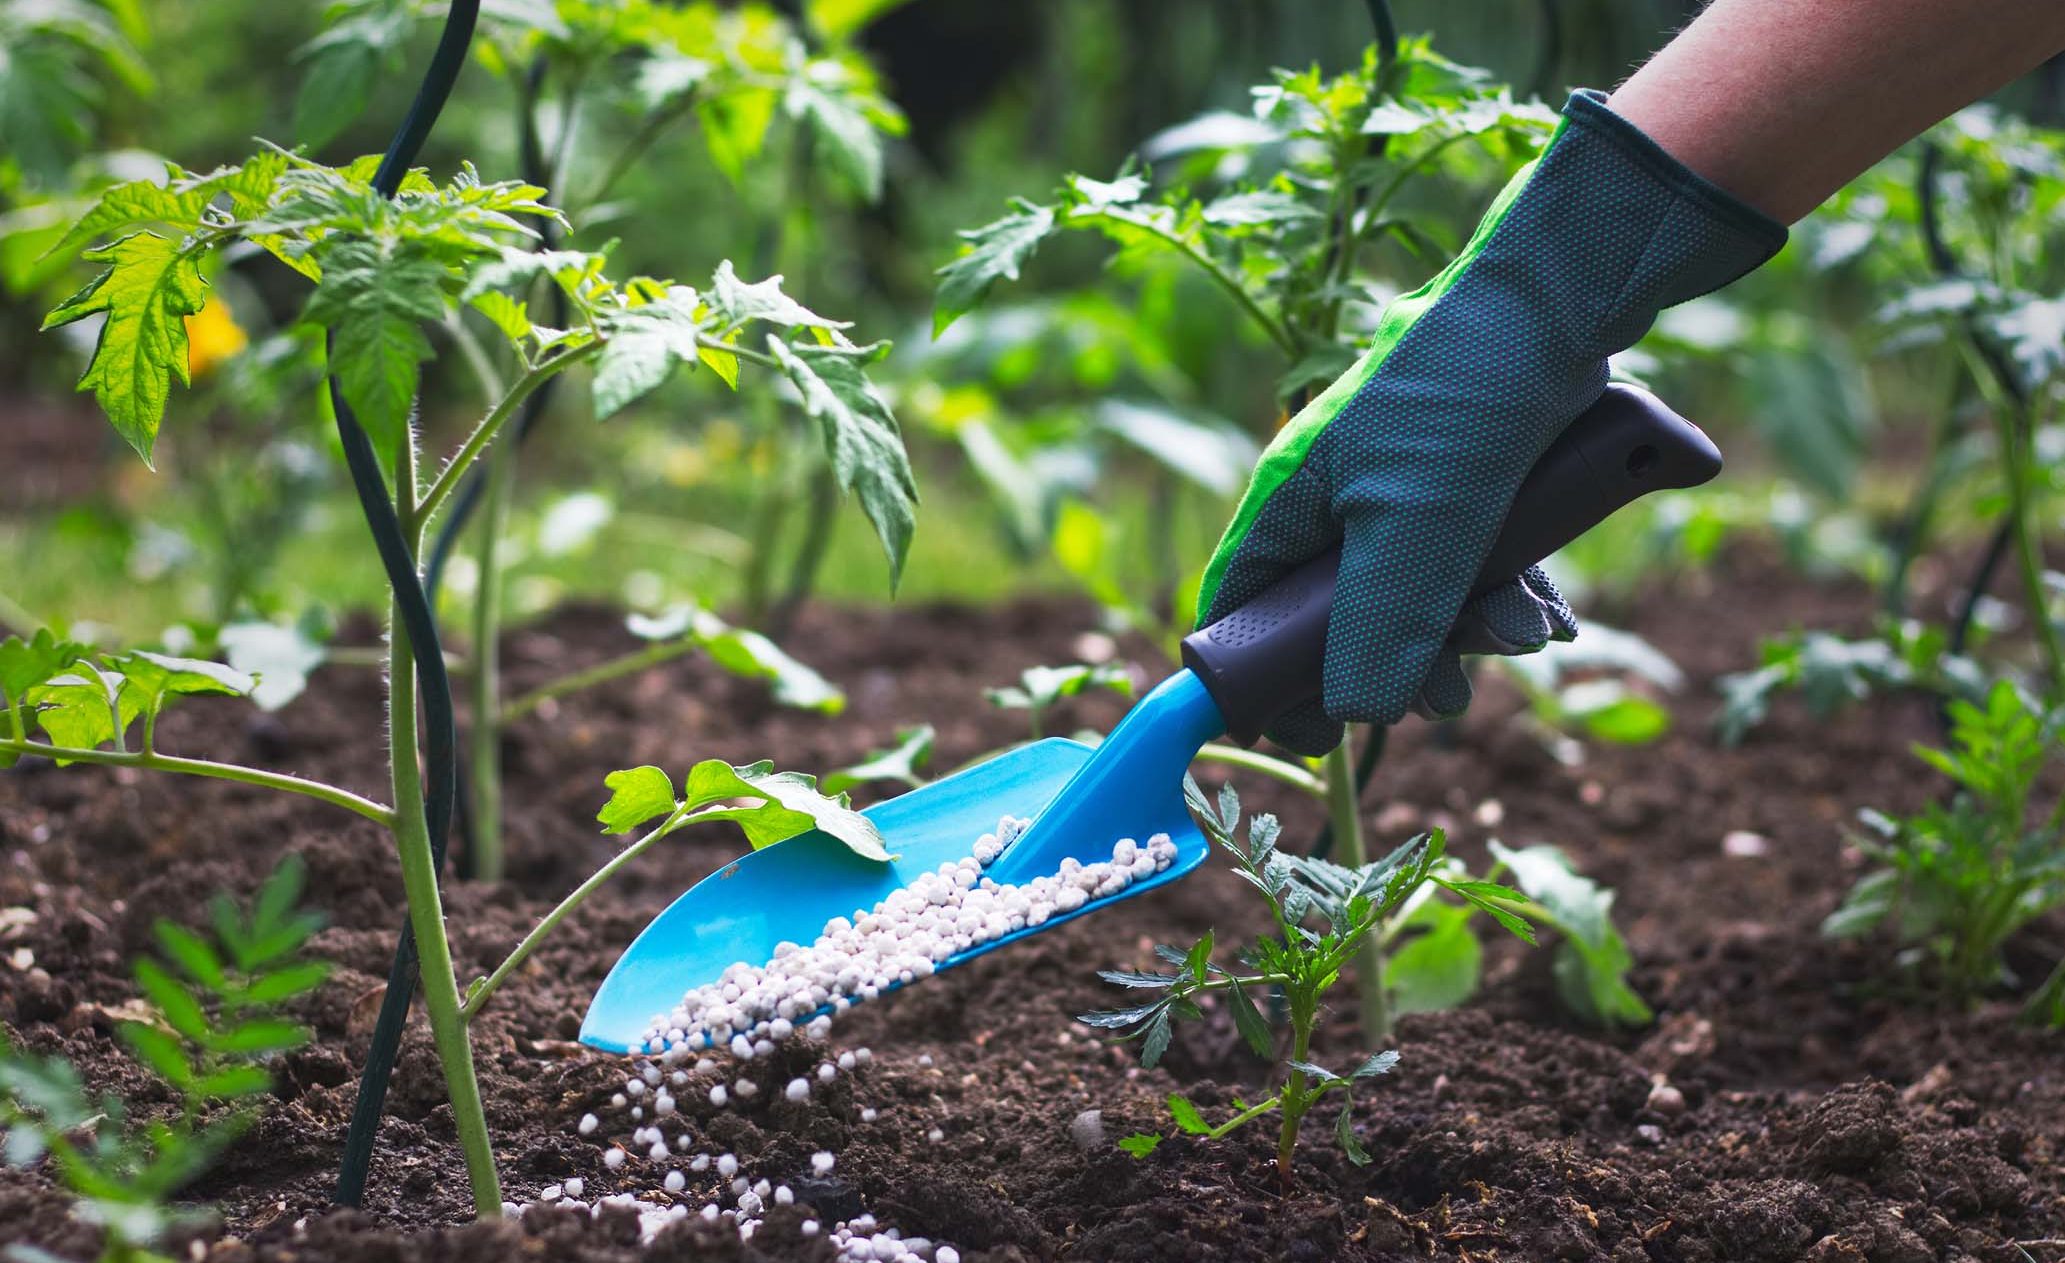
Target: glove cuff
(1588,109)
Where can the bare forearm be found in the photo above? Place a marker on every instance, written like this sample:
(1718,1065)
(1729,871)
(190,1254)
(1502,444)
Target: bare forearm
(1782,102)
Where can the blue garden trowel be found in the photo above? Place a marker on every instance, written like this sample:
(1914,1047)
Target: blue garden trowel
(1240,674)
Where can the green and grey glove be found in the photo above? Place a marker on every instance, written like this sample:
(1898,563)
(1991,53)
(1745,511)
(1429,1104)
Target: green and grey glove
(1412,458)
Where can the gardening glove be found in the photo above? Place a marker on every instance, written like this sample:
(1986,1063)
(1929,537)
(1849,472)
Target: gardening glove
(1412,458)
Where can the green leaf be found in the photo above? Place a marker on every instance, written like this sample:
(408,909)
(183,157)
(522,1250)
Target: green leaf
(1491,898)
(1263,208)
(1041,687)
(374,299)
(1247,1019)
(846,136)
(82,709)
(346,63)
(181,1011)
(1344,1132)
(134,204)
(1379,1063)
(232,1082)
(788,804)
(1610,712)
(1140,1145)
(27,663)
(1198,961)
(157,677)
(261,1035)
(900,763)
(734,303)
(284,984)
(643,344)
(636,795)
(1313,1071)
(860,436)
(1155,1039)
(1440,966)
(148,290)
(746,654)
(997,250)
(273,910)
(1137,980)
(190,952)
(1592,962)
(1186,1115)
(735,127)
(160,1051)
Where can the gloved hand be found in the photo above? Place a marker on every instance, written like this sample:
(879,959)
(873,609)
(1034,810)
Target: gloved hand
(1412,458)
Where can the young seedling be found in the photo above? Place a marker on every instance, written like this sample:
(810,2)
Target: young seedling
(1347,905)
(1039,688)
(216,1022)
(1951,884)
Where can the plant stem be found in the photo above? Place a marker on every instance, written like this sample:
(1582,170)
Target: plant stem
(601,673)
(1256,761)
(2015,438)
(1226,280)
(485,743)
(455,469)
(154,762)
(1293,1095)
(1249,1114)
(477,996)
(809,558)
(419,880)
(1346,822)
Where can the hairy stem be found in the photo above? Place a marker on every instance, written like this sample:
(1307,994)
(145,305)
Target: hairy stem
(1345,820)
(152,761)
(490,425)
(477,997)
(426,906)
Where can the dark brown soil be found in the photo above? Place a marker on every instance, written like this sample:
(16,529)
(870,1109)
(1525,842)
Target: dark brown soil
(1822,1120)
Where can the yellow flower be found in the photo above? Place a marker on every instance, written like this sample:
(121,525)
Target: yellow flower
(212,336)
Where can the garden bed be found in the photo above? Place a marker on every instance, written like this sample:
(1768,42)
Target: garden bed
(1821,1119)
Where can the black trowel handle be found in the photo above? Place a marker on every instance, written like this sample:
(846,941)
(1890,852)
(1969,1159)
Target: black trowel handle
(1265,657)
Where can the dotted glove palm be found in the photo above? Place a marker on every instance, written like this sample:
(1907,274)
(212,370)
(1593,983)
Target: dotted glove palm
(1412,458)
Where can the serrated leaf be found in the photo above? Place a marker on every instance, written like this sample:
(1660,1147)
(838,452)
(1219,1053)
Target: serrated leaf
(1247,1019)
(157,677)
(788,804)
(1313,1071)
(233,1082)
(146,293)
(345,64)
(181,1011)
(734,125)
(642,346)
(130,205)
(861,436)
(27,663)
(1140,1145)
(190,952)
(374,299)
(1198,960)
(846,138)
(1138,980)
(1155,1041)
(1258,208)
(1379,1063)
(512,316)
(285,983)
(1186,1115)
(900,763)
(260,1035)
(160,1051)
(273,909)
(746,654)
(996,251)
(734,302)
(1344,1132)
(636,795)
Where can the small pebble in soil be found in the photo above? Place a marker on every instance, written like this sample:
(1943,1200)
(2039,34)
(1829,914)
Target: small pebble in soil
(1088,1131)
(1743,845)
(1666,1100)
